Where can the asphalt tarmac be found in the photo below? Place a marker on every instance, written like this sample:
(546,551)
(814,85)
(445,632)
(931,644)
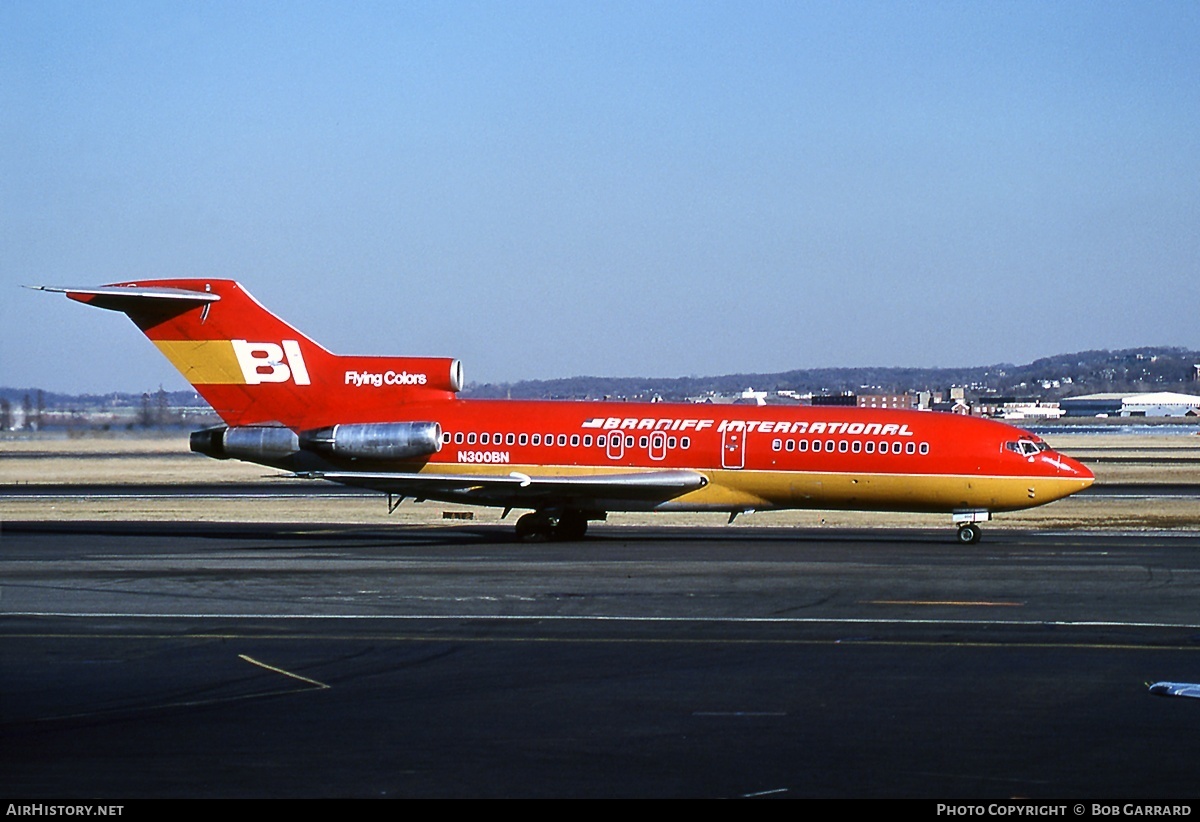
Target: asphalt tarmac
(202,660)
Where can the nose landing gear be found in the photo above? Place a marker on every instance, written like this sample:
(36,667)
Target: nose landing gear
(969,531)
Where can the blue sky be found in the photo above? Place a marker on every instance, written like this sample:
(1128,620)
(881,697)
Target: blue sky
(553,189)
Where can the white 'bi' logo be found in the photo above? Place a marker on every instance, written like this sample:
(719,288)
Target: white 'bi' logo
(268,362)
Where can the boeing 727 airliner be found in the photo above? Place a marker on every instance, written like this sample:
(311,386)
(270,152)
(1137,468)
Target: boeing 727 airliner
(396,425)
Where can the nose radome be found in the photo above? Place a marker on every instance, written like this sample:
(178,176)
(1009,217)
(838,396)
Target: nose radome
(1073,467)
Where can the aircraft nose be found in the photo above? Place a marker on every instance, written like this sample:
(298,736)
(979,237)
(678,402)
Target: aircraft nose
(1071,467)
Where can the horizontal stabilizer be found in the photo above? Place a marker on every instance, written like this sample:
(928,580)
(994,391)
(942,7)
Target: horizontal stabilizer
(124,298)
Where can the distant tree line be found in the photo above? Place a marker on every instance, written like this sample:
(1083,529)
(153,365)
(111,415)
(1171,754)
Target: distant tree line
(1050,378)
(1085,372)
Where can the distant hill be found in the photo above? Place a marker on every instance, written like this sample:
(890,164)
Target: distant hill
(1084,372)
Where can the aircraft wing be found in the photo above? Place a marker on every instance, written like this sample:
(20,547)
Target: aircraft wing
(523,490)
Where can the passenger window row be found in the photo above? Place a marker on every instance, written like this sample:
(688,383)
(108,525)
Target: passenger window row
(851,446)
(587,440)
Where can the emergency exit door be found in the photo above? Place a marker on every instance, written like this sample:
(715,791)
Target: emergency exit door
(733,449)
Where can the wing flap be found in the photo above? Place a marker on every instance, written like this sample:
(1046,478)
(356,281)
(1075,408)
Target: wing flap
(521,489)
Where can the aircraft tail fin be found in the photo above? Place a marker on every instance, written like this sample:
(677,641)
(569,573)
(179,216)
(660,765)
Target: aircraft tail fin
(252,367)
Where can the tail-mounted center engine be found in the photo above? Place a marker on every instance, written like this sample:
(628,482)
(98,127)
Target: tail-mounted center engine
(370,441)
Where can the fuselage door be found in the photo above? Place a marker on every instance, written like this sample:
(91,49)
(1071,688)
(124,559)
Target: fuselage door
(658,446)
(616,445)
(733,449)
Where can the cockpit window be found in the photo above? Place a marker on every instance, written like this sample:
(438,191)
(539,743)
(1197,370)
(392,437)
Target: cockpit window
(1026,448)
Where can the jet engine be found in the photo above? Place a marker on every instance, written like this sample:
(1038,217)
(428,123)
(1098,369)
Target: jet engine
(246,442)
(375,440)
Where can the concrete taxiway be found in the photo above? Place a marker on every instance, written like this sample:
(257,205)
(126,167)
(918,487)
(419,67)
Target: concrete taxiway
(212,660)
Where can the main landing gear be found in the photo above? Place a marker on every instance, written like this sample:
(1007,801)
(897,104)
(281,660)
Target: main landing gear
(558,526)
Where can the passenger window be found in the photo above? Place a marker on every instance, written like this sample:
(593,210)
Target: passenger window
(816,445)
(856,446)
(536,439)
(574,439)
(524,439)
(870,446)
(446,438)
(458,437)
(843,446)
(509,439)
(471,438)
(910,448)
(562,439)
(587,440)
(924,448)
(776,445)
(483,439)
(802,445)
(686,442)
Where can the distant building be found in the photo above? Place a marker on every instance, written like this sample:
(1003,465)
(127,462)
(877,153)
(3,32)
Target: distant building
(749,397)
(1159,404)
(1093,405)
(928,400)
(836,399)
(1031,410)
(885,401)
(982,408)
